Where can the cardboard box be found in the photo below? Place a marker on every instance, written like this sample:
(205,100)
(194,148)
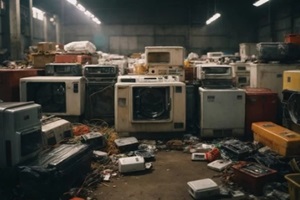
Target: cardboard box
(40,60)
(73,58)
(46,46)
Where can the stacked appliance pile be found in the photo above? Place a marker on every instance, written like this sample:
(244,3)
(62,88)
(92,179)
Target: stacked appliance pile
(153,102)
(221,106)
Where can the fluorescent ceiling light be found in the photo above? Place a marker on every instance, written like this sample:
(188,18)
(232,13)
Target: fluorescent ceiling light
(213,18)
(96,20)
(88,13)
(80,7)
(73,2)
(260,2)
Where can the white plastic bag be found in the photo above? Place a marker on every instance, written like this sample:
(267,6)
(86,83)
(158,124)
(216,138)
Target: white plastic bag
(80,46)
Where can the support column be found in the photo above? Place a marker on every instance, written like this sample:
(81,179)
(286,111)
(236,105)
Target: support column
(15,29)
(57,28)
(45,28)
(31,22)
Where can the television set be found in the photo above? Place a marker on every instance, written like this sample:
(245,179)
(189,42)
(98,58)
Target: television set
(58,95)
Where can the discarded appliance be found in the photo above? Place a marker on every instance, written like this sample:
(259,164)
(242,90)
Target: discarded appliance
(94,139)
(55,130)
(131,164)
(219,165)
(20,132)
(127,144)
(252,176)
(55,171)
(198,156)
(203,188)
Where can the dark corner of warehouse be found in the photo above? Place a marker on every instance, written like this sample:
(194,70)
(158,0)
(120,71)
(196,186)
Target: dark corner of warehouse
(133,99)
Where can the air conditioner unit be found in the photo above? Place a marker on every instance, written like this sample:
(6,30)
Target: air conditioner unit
(150,104)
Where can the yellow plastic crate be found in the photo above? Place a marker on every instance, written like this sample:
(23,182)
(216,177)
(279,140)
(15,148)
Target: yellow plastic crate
(281,140)
(291,80)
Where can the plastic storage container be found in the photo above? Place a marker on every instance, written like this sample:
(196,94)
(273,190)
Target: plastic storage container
(292,38)
(291,80)
(294,185)
(203,188)
(281,140)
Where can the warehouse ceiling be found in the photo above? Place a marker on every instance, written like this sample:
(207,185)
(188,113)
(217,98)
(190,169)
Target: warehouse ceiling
(157,11)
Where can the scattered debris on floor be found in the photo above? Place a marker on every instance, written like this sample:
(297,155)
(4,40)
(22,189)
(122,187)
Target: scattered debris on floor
(247,170)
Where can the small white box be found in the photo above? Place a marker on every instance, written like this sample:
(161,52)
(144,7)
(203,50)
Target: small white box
(203,188)
(198,156)
(55,130)
(219,165)
(131,164)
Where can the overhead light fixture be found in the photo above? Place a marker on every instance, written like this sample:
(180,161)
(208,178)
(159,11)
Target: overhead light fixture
(260,2)
(213,18)
(80,7)
(88,13)
(84,10)
(73,2)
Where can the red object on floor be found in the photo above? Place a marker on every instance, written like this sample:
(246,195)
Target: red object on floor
(77,198)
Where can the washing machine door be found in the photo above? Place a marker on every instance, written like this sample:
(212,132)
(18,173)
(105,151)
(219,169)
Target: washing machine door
(151,103)
(293,106)
(100,101)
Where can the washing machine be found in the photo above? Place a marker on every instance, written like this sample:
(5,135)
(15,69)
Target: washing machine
(222,112)
(150,104)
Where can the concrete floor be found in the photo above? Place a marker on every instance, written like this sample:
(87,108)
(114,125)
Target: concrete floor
(167,180)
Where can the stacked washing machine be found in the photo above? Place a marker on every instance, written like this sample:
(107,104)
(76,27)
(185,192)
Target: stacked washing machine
(155,101)
(100,85)
(291,98)
(221,105)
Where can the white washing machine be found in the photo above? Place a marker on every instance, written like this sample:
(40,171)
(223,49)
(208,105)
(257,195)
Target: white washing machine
(222,112)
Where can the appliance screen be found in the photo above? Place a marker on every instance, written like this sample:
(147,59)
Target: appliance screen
(216,70)
(50,95)
(30,142)
(151,103)
(159,57)
(100,100)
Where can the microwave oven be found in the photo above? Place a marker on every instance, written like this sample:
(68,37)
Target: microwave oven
(58,95)
(164,56)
